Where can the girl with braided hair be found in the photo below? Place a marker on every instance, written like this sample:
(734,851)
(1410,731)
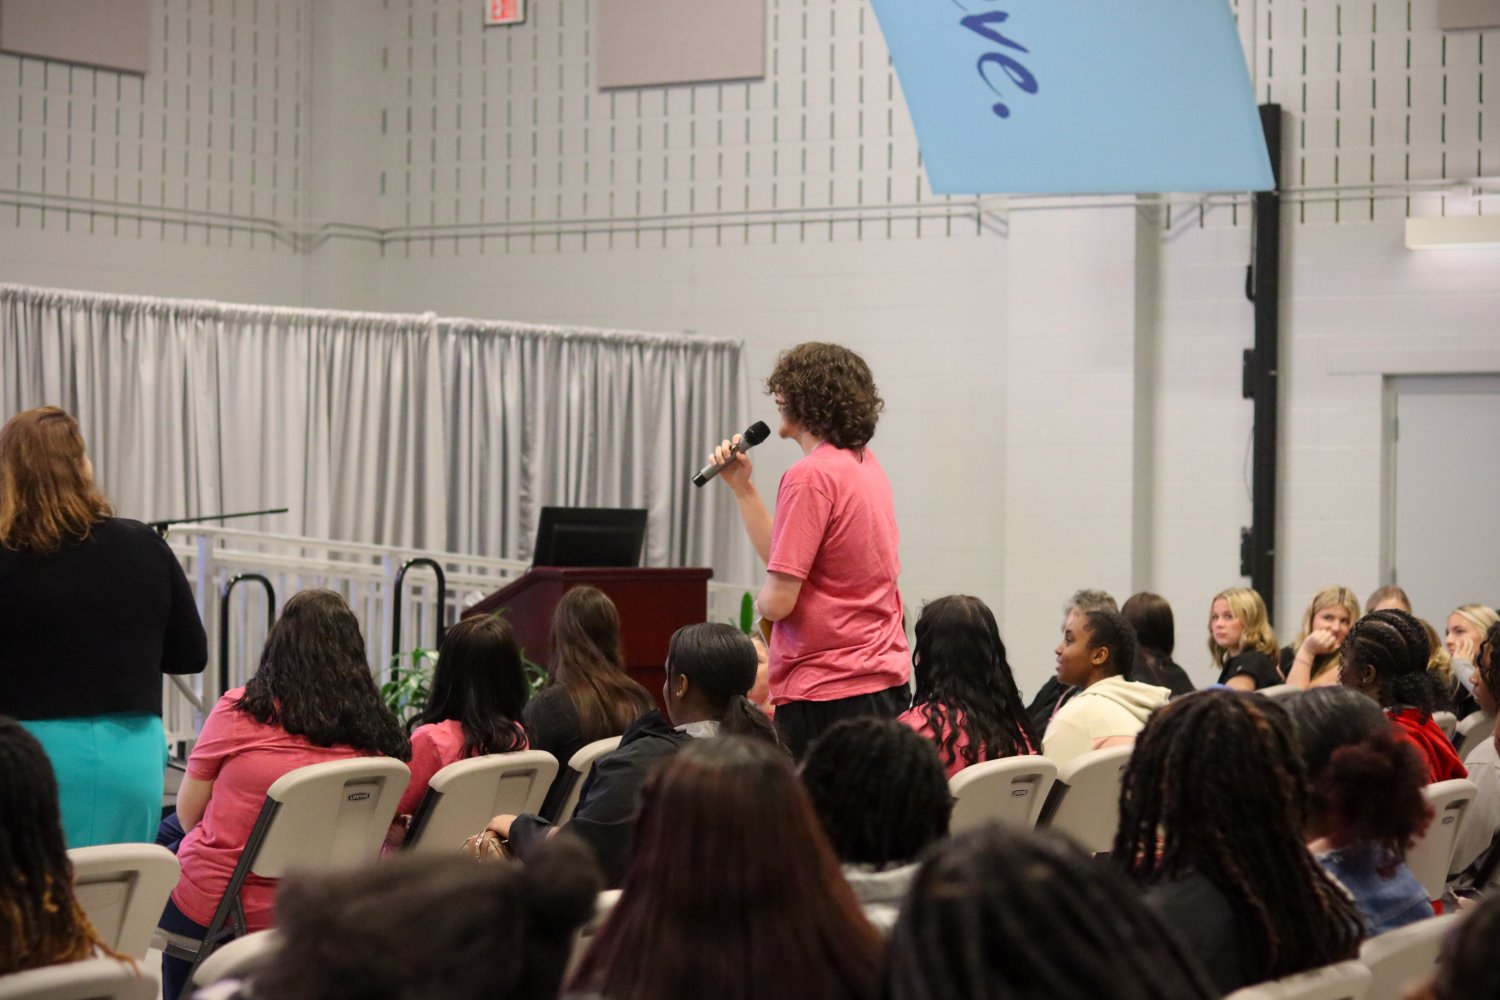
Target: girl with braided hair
(1211,825)
(1003,913)
(1385,657)
(966,700)
(41,922)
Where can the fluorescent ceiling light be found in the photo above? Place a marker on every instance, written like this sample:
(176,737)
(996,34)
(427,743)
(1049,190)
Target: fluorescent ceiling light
(1454,232)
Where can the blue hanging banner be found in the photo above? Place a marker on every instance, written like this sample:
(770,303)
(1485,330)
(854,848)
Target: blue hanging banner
(1079,97)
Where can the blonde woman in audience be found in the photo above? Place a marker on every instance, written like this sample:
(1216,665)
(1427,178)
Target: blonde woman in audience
(1388,597)
(1241,641)
(1467,625)
(1440,666)
(1312,660)
(1097,655)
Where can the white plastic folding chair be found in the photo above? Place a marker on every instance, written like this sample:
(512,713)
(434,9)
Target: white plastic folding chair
(1344,981)
(90,979)
(581,763)
(1472,728)
(123,888)
(237,958)
(1447,722)
(465,795)
(1011,791)
(1430,857)
(1277,692)
(1400,957)
(1085,800)
(319,816)
(603,906)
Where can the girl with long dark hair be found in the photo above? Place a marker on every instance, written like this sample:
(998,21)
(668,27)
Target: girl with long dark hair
(733,893)
(478,692)
(1385,657)
(1211,825)
(966,700)
(311,700)
(1156,636)
(588,695)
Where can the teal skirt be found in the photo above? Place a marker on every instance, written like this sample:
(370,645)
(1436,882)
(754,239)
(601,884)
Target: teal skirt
(109,775)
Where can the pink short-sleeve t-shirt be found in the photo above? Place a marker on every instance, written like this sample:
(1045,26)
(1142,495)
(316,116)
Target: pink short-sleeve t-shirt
(433,747)
(835,530)
(243,758)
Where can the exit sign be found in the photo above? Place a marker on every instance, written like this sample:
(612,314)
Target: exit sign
(504,11)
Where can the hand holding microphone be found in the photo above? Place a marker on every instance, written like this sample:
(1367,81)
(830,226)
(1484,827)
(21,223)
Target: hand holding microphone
(727,454)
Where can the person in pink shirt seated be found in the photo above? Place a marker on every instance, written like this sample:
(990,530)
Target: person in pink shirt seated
(478,691)
(838,649)
(1385,657)
(966,700)
(311,700)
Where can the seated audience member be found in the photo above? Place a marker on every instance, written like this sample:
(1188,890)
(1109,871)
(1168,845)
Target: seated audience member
(1211,814)
(1312,660)
(478,691)
(1155,634)
(997,914)
(966,700)
(1466,629)
(760,691)
(311,700)
(41,922)
(1451,694)
(1466,967)
(710,667)
(1476,851)
(420,926)
(1385,657)
(1388,598)
(1097,655)
(881,795)
(588,695)
(733,892)
(1241,642)
(1366,807)
(1053,692)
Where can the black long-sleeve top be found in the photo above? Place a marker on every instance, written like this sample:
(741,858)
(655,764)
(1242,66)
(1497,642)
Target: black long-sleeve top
(91,628)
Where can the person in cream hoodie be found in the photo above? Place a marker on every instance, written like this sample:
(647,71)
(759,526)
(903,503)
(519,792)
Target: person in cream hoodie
(1096,656)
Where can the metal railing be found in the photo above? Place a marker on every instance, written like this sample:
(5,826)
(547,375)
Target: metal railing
(397,611)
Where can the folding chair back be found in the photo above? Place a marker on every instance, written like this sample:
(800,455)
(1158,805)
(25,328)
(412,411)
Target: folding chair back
(336,813)
(1447,722)
(603,906)
(90,979)
(123,888)
(465,795)
(1344,981)
(237,958)
(1011,791)
(1085,800)
(1472,729)
(1278,692)
(1430,858)
(582,763)
(1400,957)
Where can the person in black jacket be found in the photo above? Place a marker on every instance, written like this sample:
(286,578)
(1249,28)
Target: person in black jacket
(93,610)
(710,667)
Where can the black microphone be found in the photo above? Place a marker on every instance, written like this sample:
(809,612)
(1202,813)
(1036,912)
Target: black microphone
(754,435)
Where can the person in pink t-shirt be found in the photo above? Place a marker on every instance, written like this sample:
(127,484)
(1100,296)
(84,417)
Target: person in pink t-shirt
(966,700)
(478,691)
(311,700)
(838,648)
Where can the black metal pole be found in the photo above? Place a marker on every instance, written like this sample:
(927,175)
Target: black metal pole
(224,619)
(442,590)
(1262,372)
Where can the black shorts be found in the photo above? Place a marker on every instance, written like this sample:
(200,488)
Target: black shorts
(801,722)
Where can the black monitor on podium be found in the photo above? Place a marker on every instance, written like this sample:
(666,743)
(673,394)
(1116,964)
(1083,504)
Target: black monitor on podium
(590,536)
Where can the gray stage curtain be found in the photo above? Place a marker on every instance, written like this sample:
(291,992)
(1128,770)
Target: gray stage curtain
(443,434)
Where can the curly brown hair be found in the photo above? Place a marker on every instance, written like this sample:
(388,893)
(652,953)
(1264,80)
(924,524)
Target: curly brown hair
(827,389)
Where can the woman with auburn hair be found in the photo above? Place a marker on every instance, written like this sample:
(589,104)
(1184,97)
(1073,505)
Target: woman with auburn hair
(966,700)
(734,892)
(94,609)
(1312,660)
(41,922)
(311,700)
(1240,640)
(1211,826)
(1385,657)
(478,692)
(588,695)
(997,914)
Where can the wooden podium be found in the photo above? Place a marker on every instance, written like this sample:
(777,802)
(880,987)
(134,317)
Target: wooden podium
(653,604)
